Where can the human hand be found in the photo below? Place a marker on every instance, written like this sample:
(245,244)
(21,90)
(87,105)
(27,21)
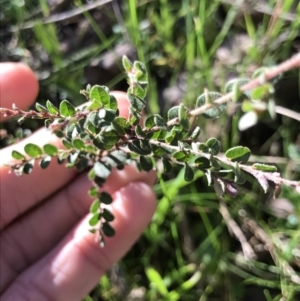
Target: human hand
(47,252)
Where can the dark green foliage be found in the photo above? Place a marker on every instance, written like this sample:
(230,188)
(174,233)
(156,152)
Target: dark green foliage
(44,163)
(96,137)
(146,163)
(105,198)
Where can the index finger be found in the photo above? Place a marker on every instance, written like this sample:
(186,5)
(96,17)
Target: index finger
(18,85)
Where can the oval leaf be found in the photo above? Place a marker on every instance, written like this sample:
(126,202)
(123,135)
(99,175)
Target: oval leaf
(95,206)
(239,154)
(264,167)
(44,163)
(108,230)
(33,150)
(18,156)
(50,149)
(188,173)
(214,146)
(105,198)
(52,109)
(146,163)
(66,109)
(78,143)
(94,219)
(107,215)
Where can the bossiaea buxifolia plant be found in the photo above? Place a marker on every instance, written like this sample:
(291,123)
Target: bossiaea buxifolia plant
(96,138)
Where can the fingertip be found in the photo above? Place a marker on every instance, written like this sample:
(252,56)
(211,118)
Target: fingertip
(18,84)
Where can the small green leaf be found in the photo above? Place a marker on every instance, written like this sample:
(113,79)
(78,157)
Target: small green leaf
(141,75)
(51,108)
(109,138)
(44,163)
(188,173)
(107,215)
(137,103)
(39,107)
(261,91)
(207,98)
(234,86)
(66,109)
(167,165)
(33,150)
(175,135)
(67,143)
(158,135)
(18,156)
(95,105)
(100,94)
(173,113)
(264,167)
(214,146)
(126,63)
(140,148)
(139,91)
(158,151)
(93,191)
(78,143)
(203,147)
(120,124)
(181,156)
(146,163)
(108,230)
(183,119)
(105,198)
(239,154)
(202,162)
(154,120)
(95,206)
(94,219)
(50,149)
(139,131)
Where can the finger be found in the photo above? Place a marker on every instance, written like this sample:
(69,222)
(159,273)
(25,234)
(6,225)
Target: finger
(18,85)
(73,268)
(43,227)
(23,193)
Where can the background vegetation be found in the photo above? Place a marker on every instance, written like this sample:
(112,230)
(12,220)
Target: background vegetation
(187,252)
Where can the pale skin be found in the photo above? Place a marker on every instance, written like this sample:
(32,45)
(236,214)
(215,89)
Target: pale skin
(47,252)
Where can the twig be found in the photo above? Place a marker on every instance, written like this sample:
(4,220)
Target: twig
(234,228)
(290,64)
(286,112)
(258,174)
